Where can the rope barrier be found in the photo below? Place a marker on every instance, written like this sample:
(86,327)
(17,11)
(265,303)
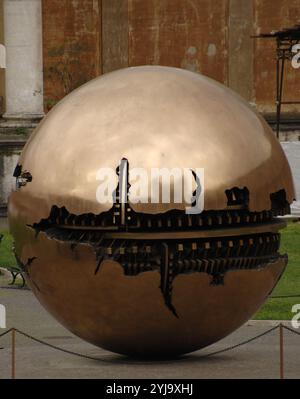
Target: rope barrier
(6,332)
(243,343)
(81,355)
(291,330)
(97,359)
(57,347)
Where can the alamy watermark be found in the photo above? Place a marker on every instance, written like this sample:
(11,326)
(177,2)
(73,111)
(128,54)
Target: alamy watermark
(156,185)
(296,318)
(296,57)
(2,316)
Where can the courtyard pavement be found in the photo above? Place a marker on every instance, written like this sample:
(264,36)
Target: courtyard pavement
(259,359)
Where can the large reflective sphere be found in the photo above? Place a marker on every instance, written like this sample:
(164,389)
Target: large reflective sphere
(141,278)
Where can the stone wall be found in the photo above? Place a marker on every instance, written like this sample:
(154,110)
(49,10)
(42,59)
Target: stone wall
(71,46)
(273,15)
(84,38)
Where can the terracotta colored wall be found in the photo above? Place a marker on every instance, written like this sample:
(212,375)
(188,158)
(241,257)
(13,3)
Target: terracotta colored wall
(273,15)
(72,49)
(83,38)
(114,35)
(190,34)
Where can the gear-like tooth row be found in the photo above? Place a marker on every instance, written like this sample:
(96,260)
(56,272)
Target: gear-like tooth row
(209,266)
(218,219)
(248,246)
(134,268)
(218,265)
(243,246)
(60,216)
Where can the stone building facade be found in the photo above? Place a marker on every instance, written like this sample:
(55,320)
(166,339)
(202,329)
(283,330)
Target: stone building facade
(54,46)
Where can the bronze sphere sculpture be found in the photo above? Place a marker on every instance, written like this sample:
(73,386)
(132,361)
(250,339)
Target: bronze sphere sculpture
(148,279)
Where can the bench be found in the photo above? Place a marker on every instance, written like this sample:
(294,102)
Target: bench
(15,272)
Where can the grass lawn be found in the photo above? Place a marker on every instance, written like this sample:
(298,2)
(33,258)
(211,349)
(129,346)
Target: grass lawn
(289,284)
(7,259)
(274,309)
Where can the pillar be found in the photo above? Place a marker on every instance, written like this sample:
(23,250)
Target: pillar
(241,45)
(24,63)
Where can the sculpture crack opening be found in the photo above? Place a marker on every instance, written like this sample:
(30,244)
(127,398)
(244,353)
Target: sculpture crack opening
(173,243)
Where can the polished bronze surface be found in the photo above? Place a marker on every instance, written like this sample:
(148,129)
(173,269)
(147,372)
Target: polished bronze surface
(158,282)
(155,117)
(127,314)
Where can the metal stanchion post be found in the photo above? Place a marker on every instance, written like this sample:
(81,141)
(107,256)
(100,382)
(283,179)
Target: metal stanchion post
(13,354)
(281,351)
